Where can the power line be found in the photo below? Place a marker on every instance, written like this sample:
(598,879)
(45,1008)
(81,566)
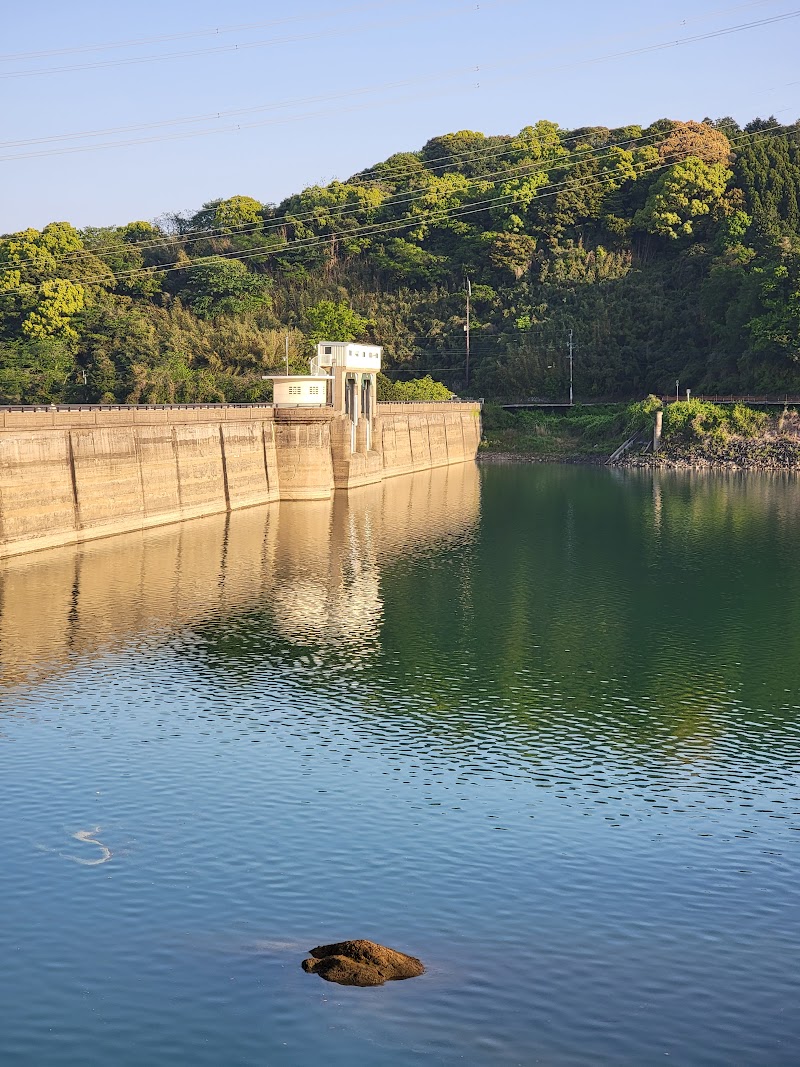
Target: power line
(216,31)
(511,146)
(423,219)
(223,113)
(343,31)
(430,217)
(560,163)
(260,227)
(454,72)
(266,227)
(210,131)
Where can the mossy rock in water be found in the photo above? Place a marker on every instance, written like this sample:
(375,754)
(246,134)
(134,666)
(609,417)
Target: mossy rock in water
(362,963)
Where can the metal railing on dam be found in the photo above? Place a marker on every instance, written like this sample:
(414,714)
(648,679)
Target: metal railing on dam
(129,407)
(208,406)
(749,399)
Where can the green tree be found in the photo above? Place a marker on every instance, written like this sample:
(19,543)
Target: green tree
(332,211)
(685,194)
(140,232)
(333,321)
(217,286)
(123,251)
(38,370)
(59,301)
(237,212)
(431,208)
(767,170)
(778,327)
(513,252)
(35,295)
(416,389)
(466,152)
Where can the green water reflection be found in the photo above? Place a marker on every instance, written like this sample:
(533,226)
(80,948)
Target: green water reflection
(536,724)
(660,599)
(646,607)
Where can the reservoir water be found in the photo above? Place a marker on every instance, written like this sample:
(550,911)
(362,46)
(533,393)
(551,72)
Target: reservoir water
(537,725)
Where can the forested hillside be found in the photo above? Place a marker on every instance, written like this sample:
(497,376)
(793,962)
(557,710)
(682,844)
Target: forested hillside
(671,251)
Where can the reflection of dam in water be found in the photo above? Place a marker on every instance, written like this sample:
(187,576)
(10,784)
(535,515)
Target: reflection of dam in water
(315,564)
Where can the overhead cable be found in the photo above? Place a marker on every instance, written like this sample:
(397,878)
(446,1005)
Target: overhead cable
(245,46)
(520,170)
(214,31)
(427,218)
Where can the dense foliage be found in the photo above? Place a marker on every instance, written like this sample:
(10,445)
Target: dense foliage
(699,433)
(669,252)
(694,420)
(574,433)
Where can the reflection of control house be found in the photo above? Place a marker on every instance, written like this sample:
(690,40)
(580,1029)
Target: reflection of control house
(343,376)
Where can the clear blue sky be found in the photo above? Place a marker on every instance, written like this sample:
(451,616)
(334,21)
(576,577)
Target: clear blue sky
(536,61)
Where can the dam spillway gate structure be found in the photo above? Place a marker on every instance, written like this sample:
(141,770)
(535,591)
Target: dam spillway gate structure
(72,474)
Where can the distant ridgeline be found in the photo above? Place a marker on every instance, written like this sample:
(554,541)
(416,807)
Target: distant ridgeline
(670,252)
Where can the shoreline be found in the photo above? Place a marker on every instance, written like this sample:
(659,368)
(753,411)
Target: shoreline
(640,463)
(489,457)
(694,435)
(700,463)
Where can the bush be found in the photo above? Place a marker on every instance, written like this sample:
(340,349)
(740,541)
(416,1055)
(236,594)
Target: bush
(497,418)
(689,420)
(417,389)
(746,422)
(640,415)
(692,420)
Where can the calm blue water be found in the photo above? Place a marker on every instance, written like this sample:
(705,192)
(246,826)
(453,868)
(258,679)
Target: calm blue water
(538,725)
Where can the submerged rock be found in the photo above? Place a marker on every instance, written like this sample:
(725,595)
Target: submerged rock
(362,963)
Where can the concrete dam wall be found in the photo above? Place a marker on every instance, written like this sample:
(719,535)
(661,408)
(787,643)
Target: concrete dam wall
(68,476)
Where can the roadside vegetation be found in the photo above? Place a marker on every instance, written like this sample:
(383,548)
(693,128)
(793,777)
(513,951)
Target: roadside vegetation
(697,433)
(415,389)
(578,433)
(698,421)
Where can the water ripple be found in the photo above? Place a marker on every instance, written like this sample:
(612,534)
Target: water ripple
(541,729)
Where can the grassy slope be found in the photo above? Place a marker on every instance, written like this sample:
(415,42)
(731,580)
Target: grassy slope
(755,440)
(580,433)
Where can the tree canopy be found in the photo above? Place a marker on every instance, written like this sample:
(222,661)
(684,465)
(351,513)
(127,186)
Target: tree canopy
(665,251)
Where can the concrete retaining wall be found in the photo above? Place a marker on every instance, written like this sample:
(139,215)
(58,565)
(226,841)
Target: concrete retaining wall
(70,476)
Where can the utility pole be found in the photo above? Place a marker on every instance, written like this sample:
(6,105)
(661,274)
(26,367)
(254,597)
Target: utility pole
(286,339)
(466,332)
(571,400)
(677,389)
